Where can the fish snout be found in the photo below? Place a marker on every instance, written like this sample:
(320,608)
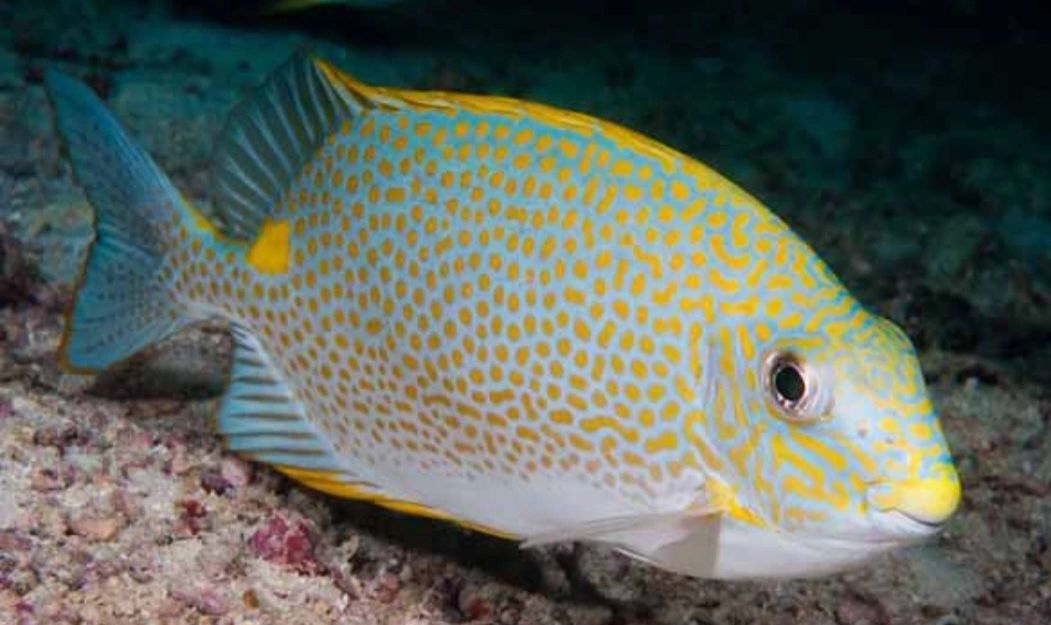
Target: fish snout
(930,500)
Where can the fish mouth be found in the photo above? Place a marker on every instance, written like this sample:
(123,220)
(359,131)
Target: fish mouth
(926,525)
(914,509)
(934,526)
(905,527)
(925,502)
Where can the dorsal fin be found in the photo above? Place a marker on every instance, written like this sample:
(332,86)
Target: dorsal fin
(268,139)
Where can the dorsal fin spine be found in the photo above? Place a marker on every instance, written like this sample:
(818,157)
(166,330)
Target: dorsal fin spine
(269,139)
(272,141)
(357,96)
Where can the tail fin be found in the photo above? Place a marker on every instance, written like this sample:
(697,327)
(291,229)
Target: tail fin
(122,303)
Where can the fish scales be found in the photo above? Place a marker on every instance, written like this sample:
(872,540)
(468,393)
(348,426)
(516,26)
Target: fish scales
(474,318)
(540,325)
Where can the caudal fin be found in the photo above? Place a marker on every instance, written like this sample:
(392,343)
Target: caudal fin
(122,303)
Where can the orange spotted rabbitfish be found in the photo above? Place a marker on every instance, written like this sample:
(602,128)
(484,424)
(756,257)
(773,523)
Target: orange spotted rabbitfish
(525,320)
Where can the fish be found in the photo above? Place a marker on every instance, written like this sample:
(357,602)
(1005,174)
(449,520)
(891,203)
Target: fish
(524,320)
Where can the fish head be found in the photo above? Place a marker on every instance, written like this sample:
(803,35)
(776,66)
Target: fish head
(846,457)
(899,469)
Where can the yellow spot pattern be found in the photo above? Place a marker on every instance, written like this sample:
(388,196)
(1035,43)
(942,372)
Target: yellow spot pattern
(474,286)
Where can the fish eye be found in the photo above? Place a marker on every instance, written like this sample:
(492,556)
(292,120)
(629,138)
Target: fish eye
(791,386)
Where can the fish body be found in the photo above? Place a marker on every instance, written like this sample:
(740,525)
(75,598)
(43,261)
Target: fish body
(525,320)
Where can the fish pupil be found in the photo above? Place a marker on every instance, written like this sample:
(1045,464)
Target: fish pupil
(789,383)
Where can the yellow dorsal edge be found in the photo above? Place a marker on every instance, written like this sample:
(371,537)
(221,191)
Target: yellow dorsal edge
(586,125)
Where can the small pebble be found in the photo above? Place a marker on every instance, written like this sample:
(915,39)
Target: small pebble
(140,575)
(386,588)
(346,582)
(204,601)
(250,599)
(127,504)
(48,480)
(860,611)
(96,528)
(193,508)
(60,436)
(12,541)
(236,472)
(476,602)
(192,515)
(178,463)
(213,482)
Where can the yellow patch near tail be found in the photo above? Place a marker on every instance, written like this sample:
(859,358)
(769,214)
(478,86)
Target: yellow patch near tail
(271,250)
(330,484)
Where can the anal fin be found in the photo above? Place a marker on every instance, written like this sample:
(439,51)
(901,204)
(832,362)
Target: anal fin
(260,418)
(329,484)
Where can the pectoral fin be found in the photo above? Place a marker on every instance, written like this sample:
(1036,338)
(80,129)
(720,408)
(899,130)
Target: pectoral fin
(630,532)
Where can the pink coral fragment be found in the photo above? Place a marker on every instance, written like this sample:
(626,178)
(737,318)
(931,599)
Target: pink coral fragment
(285,541)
